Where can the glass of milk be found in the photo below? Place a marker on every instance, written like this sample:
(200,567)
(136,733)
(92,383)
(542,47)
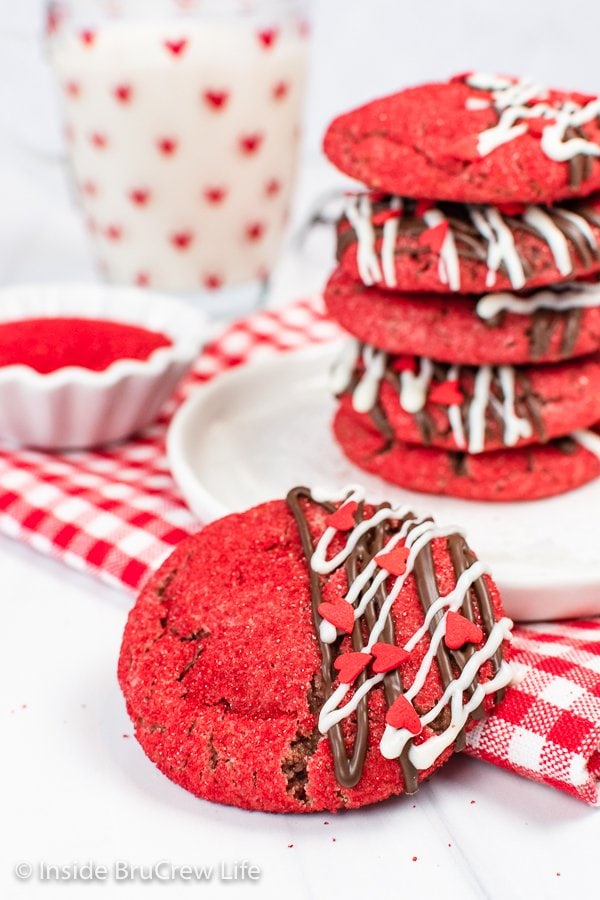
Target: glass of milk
(183,121)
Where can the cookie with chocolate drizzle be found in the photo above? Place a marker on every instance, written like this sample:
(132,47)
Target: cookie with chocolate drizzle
(420,401)
(314,653)
(477,138)
(517,473)
(416,245)
(502,328)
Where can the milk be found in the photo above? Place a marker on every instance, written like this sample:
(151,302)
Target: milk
(184,139)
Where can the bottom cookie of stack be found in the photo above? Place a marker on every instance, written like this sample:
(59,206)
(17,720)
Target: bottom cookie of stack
(523,473)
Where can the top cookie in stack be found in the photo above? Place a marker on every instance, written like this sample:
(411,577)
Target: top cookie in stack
(467,275)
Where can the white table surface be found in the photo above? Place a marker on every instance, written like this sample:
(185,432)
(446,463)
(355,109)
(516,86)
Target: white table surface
(76,788)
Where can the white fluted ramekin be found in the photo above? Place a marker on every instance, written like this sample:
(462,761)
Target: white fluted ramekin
(74,407)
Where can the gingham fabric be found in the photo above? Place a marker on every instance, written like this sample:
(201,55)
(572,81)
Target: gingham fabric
(117,513)
(548,726)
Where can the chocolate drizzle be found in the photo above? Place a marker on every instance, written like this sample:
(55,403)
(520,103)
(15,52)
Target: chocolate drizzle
(527,404)
(470,243)
(477,606)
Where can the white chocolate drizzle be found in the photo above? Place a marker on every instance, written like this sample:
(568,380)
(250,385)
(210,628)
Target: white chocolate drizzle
(455,413)
(501,245)
(415,386)
(388,244)
(449,263)
(541,222)
(588,439)
(358,211)
(577,296)
(415,534)
(510,98)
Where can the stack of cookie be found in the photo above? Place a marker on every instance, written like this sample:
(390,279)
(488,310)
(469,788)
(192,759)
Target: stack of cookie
(474,368)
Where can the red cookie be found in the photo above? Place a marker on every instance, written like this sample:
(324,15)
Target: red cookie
(241,689)
(449,327)
(527,473)
(419,401)
(475,139)
(406,245)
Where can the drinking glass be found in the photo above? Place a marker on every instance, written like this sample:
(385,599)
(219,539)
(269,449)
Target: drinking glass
(182,119)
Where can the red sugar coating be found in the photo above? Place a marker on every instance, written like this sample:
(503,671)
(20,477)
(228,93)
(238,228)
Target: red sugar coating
(220,667)
(566,397)
(448,328)
(421,142)
(48,344)
(416,259)
(528,473)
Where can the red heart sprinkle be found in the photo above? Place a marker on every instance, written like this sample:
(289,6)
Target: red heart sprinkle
(402,714)
(216,99)
(142,279)
(465,149)
(73,88)
(422,206)
(350,665)
(114,233)
(387,657)
(139,196)
(176,48)
(434,237)
(462,76)
(249,143)
(339,614)
(582,99)
(394,562)
(99,140)
(167,146)
(88,37)
(89,188)
(343,518)
(405,363)
(447,393)
(280,90)
(53,19)
(272,187)
(123,93)
(254,231)
(511,209)
(182,240)
(267,37)
(215,195)
(212,282)
(459,631)
(380,218)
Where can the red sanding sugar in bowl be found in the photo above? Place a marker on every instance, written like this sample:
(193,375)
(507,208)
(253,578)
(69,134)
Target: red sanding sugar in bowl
(48,344)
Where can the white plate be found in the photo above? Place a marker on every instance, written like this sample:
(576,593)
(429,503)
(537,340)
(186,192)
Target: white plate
(253,433)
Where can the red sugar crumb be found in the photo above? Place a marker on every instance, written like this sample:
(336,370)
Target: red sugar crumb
(125,735)
(415,858)
(473,802)
(290,846)
(325,823)
(48,344)
(334,840)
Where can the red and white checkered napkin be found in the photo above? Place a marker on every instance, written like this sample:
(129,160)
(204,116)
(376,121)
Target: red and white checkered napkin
(117,513)
(548,726)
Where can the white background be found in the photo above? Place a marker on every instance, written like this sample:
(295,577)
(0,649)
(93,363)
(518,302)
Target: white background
(75,786)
